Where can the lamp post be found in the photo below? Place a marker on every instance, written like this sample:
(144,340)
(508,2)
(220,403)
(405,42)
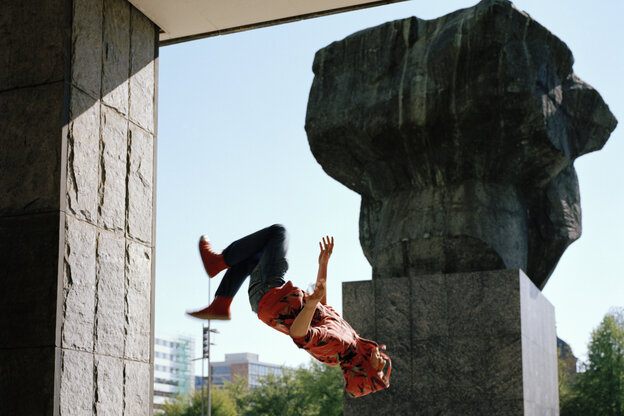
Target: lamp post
(206,356)
(206,330)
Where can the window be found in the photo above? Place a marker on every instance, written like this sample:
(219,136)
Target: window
(165,381)
(221,370)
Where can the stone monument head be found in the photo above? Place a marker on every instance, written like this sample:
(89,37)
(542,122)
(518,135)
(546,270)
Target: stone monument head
(460,133)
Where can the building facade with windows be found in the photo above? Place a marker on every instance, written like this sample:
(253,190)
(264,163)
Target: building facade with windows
(173,368)
(246,365)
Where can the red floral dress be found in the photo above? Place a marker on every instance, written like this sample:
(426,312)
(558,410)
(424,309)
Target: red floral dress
(330,339)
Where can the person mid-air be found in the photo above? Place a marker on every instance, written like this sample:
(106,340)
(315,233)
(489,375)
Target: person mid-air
(306,318)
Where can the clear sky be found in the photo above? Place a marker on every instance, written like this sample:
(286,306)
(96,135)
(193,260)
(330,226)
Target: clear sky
(233,157)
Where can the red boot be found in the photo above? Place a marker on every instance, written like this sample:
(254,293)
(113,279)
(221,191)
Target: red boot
(213,262)
(219,309)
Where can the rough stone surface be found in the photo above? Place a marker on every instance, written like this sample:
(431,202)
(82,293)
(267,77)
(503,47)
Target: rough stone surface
(466,343)
(83,159)
(138,293)
(110,306)
(32,146)
(78,285)
(142,69)
(109,380)
(112,206)
(76,387)
(32,46)
(138,389)
(86,57)
(116,56)
(360,294)
(395,315)
(460,134)
(140,184)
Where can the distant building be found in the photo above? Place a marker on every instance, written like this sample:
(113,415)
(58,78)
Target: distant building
(173,369)
(564,353)
(243,364)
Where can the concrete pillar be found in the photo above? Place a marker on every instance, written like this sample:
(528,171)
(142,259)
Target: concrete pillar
(77,180)
(479,343)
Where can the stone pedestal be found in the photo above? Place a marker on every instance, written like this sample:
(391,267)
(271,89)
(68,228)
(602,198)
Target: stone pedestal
(77,181)
(480,343)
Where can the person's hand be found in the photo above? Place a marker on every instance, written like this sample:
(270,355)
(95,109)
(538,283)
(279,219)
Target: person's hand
(377,360)
(327,246)
(318,294)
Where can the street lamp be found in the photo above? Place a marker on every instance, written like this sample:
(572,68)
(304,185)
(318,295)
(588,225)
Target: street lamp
(206,330)
(206,356)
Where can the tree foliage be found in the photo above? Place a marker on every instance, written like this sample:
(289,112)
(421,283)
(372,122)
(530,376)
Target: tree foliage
(220,404)
(308,391)
(314,390)
(238,391)
(599,390)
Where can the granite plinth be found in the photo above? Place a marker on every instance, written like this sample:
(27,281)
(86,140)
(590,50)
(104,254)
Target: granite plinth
(465,343)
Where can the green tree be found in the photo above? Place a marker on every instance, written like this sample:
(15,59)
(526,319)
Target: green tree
(566,381)
(278,395)
(315,390)
(599,390)
(324,386)
(220,404)
(239,393)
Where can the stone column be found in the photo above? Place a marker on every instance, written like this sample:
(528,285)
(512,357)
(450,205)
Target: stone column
(77,179)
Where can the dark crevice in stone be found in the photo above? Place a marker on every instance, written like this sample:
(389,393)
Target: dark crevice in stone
(102,168)
(96,302)
(128,176)
(71,171)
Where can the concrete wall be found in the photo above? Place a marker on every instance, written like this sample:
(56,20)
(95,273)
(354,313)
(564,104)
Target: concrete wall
(77,180)
(478,343)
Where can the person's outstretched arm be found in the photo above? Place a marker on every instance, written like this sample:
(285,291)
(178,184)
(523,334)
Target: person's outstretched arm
(326,246)
(301,324)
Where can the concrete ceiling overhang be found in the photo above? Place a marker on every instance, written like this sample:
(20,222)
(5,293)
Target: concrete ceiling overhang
(184,20)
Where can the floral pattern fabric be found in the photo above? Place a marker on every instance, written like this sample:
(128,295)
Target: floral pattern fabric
(330,339)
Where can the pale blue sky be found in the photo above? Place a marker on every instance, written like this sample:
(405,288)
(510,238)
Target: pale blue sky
(233,157)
